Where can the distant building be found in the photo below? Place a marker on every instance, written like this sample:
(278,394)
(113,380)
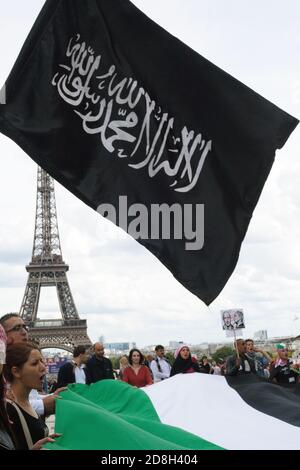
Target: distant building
(175,344)
(119,348)
(296,348)
(261,335)
(205,346)
(101,339)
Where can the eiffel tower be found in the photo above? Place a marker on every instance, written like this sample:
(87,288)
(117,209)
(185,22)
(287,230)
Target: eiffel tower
(47,268)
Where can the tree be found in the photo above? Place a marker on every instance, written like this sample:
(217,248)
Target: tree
(115,362)
(170,357)
(223,353)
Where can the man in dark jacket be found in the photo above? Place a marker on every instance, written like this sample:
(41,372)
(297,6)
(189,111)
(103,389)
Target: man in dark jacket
(98,367)
(205,367)
(73,372)
(281,370)
(240,364)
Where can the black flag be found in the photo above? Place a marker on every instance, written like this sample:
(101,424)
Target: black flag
(146,131)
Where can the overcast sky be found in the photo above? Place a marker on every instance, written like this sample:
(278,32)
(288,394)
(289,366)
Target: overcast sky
(122,290)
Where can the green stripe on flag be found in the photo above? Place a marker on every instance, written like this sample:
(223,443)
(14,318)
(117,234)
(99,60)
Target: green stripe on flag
(112,415)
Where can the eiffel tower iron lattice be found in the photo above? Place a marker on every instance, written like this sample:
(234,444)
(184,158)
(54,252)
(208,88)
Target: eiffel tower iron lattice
(47,268)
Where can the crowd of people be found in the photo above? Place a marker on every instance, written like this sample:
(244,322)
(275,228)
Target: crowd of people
(249,360)
(22,370)
(22,373)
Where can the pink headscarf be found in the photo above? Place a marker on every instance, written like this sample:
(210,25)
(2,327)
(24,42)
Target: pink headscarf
(180,347)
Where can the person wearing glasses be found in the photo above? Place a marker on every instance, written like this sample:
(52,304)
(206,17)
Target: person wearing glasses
(15,328)
(239,363)
(17,332)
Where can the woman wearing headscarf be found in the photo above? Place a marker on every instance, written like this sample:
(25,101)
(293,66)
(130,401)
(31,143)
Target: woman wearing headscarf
(184,362)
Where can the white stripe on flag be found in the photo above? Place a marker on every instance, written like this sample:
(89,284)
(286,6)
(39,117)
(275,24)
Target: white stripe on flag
(207,406)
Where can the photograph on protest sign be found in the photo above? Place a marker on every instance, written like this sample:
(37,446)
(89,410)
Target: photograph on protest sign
(232,319)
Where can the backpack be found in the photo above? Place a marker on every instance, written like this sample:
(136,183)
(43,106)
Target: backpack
(158,364)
